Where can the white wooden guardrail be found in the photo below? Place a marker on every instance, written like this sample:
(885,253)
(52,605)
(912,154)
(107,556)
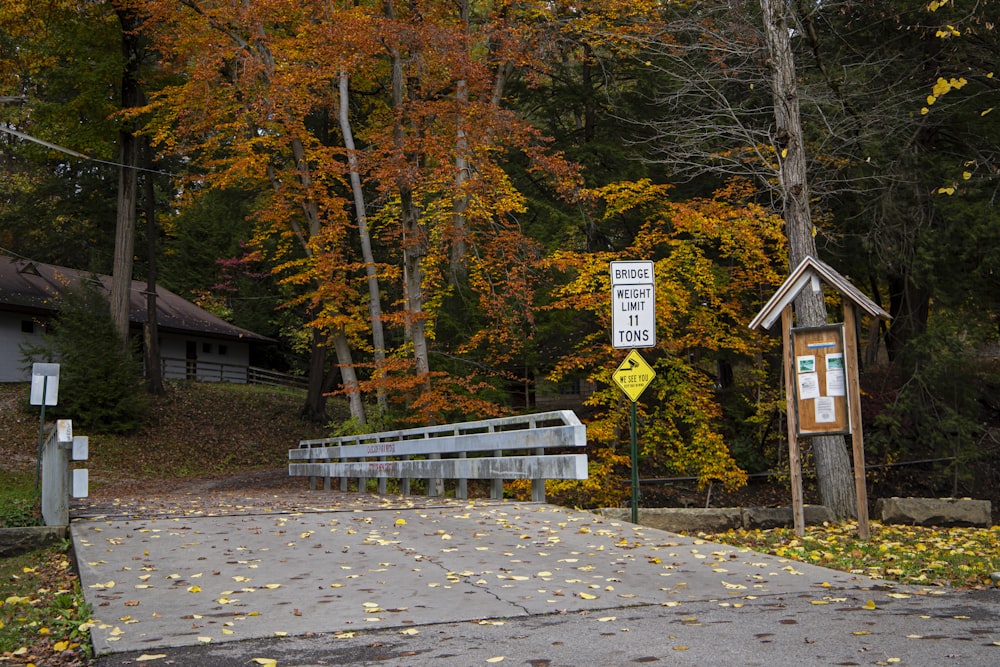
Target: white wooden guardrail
(488,449)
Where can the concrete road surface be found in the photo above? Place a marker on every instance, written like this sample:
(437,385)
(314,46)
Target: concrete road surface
(342,579)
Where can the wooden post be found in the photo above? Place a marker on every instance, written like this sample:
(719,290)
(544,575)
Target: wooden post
(854,405)
(794,462)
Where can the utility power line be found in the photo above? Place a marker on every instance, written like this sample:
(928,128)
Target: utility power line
(68,151)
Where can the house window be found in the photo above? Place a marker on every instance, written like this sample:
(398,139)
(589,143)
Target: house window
(223,350)
(206,348)
(27,326)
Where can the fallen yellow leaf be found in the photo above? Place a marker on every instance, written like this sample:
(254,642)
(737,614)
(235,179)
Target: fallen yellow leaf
(145,657)
(499,658)
(870,604)
(266,662)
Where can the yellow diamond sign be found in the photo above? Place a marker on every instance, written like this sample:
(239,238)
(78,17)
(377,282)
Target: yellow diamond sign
(634,375)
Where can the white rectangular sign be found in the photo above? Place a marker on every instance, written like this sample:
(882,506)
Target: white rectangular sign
(633,304)
(44,380)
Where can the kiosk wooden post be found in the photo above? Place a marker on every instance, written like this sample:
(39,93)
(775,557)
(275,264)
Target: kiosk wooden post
(857,435)
(794,462)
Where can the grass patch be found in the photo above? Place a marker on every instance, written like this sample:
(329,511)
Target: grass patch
(44,619)
(20,503)
(962,557)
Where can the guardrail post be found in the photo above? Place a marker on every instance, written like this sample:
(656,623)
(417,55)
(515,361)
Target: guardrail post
(363,481)
(496,485)
(538,485)
(56,479)
(312,478)
(435,485)
(462,489)
(404,483)
(382,480)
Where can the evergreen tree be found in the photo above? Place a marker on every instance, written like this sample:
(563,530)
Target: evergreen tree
(100,384)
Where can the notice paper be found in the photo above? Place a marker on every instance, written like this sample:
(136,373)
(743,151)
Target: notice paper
(808,386)
(826,410)
(835,383)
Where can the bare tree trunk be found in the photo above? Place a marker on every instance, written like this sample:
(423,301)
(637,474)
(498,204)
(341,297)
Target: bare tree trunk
(461,200)
(151,334)
(349,378)
(833,467)
(314,408)
(374,297)
(414,236)
(459,244)
(121,271)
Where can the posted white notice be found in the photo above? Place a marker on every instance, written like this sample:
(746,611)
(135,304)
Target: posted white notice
(808,377)
(826,410)
(835,382)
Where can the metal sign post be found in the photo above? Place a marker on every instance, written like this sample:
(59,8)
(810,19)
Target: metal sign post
(633,324)
(632,377)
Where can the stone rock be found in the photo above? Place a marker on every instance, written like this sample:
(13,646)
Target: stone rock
(716,520)
(763,518)
(681,519)
(935,511)
(14,541)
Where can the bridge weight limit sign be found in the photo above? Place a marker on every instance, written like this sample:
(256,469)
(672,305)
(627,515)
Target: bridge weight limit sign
(633,325)
(633,304)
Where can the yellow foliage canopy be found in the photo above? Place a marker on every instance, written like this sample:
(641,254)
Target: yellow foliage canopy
(716,262)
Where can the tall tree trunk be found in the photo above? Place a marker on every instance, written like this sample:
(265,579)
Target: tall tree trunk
(316,404)
(833,466)
(459,244)
(374,296)
(414,236)
(321,381)
(461,200)
(121,272)
(314,408)
(151,333)
(349,378)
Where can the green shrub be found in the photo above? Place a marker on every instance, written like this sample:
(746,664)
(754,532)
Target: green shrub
(100,383)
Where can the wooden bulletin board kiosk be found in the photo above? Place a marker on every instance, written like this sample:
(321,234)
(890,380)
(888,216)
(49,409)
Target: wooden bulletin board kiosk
(820,386)
(821,375)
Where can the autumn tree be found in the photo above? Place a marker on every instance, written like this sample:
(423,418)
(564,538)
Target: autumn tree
(279,132)
(714,259)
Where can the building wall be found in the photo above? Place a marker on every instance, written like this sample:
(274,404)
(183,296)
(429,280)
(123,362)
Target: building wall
(204,359)
(15,330)
(213,360)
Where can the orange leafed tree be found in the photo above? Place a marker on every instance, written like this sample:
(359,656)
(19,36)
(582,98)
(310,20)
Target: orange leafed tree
(252,93)
(716,260)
